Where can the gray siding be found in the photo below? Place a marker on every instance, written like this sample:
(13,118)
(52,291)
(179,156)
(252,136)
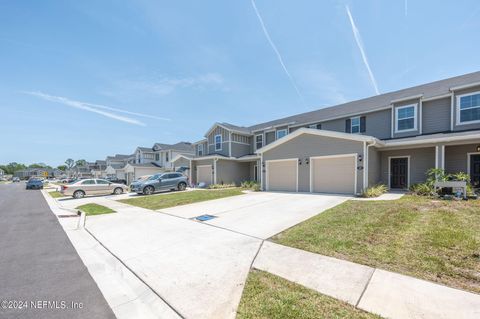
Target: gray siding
(241,149)
(436,116)
(409,133)
(205,149)
(232,172)
(181,162)
(464,126)
(456,157)
(305,146)
(334,125)
(374,167)
(269,137)
(225,141)
(421,160)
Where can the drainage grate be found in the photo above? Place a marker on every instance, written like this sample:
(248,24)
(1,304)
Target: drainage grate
(204,218)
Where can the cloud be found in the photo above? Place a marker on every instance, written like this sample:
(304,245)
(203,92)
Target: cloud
(166,85)
(274,47)
(88,107)
(358,40)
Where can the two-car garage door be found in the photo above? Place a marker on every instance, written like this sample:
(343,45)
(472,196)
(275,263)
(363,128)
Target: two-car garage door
(327,174)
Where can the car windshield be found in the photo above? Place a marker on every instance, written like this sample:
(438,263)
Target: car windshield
(156,176)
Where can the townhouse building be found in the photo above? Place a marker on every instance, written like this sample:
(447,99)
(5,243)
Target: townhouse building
(391,138)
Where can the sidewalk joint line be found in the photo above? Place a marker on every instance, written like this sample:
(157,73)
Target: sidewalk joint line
(258,251)
(365,288)
(136,275)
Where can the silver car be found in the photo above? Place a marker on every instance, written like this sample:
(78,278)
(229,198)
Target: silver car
(84,187)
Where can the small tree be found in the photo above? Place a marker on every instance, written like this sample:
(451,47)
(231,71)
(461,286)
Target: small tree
(70,162)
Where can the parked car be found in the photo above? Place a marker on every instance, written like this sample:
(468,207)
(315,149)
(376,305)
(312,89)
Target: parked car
(16,179)
(92,186)
(116,180)
(138,181)
(159,182)
(34,183)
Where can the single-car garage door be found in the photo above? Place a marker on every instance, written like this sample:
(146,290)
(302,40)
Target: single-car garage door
(333,174)
(282,175)
(204,174)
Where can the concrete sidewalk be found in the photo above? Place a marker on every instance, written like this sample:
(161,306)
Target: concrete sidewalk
(378,291)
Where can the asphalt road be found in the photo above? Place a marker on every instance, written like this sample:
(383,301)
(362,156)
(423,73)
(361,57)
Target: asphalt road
(39,267)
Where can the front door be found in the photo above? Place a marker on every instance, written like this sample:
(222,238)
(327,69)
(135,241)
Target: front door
(399,172)
(475,170)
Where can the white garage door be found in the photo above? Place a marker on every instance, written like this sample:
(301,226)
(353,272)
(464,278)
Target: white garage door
(204,174)
(282,175)
(333,174)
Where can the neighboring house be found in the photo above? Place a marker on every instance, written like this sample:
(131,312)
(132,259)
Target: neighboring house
(166,153)
(115,165)
(2,173)
(37,172)
(144,155)
(135,171)
(392,138)
(98,169)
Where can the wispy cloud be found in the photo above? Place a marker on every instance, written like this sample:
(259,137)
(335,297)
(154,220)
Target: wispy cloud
(94,108)
(274,47)
(358,40)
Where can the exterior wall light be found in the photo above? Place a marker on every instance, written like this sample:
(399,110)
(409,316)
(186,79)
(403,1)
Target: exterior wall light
(360,158)
(478,148)
(299,161)
(307,161)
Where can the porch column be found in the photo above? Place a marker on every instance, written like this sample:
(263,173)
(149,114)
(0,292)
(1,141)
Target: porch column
(440,156)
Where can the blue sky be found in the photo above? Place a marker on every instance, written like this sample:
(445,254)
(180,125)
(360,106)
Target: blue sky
(72,73)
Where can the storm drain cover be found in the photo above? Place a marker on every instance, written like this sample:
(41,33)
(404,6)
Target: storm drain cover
(204,218)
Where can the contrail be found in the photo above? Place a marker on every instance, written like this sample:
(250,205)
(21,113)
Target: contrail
(85,107)
(358,39)
(99,106)
(274,47)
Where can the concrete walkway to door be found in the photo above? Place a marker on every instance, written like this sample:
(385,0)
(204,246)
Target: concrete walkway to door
(260,214)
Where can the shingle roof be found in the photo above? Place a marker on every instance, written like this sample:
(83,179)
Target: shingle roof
(432,89)
(235,127)
(180,146)
(145,149)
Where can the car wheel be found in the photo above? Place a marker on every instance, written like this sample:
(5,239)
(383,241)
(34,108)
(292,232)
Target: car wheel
(118,191)
(78,194)
(148,190)
(181,186)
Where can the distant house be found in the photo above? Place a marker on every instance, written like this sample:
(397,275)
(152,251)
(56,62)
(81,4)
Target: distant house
(2,173)
(115,165)
(38,172)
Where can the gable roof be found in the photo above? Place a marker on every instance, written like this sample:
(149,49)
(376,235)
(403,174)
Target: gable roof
(145,149)
(180,146)
(230,127)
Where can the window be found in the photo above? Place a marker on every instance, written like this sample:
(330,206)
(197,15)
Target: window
(406,118)
(468,108)
(166,157)
(157,156)
(355,125)
(259,141)
(281,133)
(200,149)
(218,142)
(102,181)
(88,182)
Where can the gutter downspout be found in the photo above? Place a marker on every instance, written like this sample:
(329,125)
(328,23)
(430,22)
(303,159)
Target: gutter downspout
(215,170)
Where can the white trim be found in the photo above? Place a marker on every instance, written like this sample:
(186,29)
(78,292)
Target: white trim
(341,135)
(282,130)
(392,108)
(215,171)
(230,143)
(392,143)
(457,109)
(255,140)
(211,176)
(180,156)
(364,162)
(415,117)
(436,156)
(215,142)
(261,173)
(465,86)
(408,169)
(267,186)
(273,127)
(227,129)
(200,142)
(452,111)
(407,98)
(198,149)
(354,155)
(443,156)
(239,143)
(469,155)
(420,119)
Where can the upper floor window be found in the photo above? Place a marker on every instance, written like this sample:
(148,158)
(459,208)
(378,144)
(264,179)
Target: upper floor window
(166,157)
(468,108)
(258,141)
(218,142)
(355,124)
(200,149)
(406,118)
(157,156)
(281,133)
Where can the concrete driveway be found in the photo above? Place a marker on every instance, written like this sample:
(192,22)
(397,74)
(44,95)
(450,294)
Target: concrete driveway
(199,268)
(259,214)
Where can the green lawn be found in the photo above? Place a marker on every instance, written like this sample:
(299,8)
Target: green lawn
(180,198)
(95,209)
(268,296)
(56,194)
(422,237)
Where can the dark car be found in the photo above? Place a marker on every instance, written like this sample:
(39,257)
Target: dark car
(160,182)
(34,183)
(116,180)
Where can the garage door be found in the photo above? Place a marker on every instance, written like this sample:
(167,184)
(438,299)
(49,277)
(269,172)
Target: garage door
(282,175)
(204,174)
(333,174)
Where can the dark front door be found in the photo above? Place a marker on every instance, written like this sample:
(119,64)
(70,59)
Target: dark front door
(475,170)
(399,172)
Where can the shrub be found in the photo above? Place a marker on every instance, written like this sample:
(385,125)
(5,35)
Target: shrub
(255,186)
(375,191)
(220,186)
(422,189)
